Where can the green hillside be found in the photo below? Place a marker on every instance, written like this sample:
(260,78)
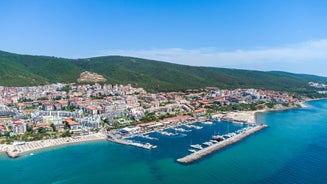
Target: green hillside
(22,70)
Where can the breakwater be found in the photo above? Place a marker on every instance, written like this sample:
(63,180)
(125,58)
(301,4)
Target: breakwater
(215,147)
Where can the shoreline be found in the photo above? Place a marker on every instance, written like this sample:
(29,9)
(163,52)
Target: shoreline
(14,151)
(247,117)
(314,99)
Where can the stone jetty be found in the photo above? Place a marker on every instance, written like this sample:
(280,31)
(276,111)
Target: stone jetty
(12,153)
(215,147)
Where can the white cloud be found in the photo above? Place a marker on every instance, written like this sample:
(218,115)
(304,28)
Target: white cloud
(305,53)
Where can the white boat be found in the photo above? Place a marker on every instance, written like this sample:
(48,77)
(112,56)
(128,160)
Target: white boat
(167,133)
(147,137)
(207,143)
(188,126)
(207,122)
(197,146)
(192,150)
(197,127)
(213,141)
(181,130)
(149,146)
(229,135)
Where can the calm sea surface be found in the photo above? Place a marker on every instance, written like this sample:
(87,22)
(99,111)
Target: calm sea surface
(293,149)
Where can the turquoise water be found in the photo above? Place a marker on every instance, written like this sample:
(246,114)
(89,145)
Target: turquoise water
(293,149)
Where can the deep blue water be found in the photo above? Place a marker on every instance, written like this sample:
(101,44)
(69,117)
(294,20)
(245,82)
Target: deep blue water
(293,149)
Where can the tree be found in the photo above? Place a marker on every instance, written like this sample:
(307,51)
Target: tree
(41,130)
(29,128)
(53,127)
(270,105)
(66,134)
(149,117)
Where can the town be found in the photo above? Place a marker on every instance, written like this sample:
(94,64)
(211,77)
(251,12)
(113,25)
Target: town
(65,110)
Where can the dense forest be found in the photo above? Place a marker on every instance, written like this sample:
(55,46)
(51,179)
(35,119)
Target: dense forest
(24,70)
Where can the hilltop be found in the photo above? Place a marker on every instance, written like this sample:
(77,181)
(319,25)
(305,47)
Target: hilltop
(91,77)
(23,70)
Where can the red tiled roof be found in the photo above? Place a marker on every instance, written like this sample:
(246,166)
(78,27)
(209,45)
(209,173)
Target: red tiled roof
(200,110)
(70,122)
(147,124)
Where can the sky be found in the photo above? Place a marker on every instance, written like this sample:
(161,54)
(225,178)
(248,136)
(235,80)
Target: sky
(283,35)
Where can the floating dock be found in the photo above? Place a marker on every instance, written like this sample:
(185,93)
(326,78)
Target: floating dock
(215,147)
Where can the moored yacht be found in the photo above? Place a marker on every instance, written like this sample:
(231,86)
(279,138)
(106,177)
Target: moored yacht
(197,146)
(218,138)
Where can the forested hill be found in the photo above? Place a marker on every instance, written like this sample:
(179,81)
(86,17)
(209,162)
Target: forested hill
(24,70)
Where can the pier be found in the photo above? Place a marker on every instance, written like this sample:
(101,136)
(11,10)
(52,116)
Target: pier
(215,147)
(131,143)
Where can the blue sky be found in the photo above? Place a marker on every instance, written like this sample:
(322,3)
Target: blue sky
(289,35)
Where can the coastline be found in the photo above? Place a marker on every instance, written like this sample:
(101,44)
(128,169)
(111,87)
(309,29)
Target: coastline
(14,151)
(314,99)
(247,117)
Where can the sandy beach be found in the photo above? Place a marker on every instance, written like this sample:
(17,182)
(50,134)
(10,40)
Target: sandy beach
(242,116)
(41,144)
(250,116)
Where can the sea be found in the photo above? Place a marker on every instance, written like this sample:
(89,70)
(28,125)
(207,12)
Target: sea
(293,149)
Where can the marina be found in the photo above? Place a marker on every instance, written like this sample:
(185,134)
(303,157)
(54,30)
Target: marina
(146,139)
(215,147)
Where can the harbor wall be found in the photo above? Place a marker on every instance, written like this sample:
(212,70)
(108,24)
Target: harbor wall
(215,147)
